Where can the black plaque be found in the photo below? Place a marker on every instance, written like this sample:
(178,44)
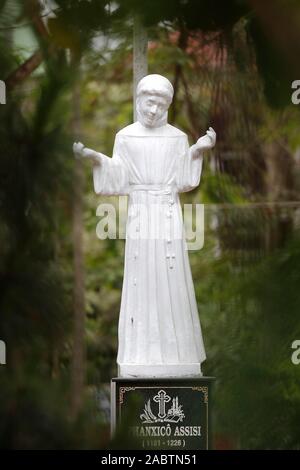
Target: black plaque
(164,414)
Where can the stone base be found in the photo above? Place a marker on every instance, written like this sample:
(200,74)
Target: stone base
(159,370)
(162,413)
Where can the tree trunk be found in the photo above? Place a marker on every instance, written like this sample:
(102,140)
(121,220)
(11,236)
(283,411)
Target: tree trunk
(78,357)
(140,64)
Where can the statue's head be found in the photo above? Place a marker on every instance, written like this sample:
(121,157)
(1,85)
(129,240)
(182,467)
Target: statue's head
(153,97)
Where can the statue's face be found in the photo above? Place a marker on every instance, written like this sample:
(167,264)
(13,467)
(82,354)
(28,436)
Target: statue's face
(152,109)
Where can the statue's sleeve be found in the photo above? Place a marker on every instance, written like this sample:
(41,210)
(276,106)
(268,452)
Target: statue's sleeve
(189,168)
(111,176)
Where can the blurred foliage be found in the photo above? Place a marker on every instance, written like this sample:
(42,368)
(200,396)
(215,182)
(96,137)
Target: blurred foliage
(228,64)
(250,325)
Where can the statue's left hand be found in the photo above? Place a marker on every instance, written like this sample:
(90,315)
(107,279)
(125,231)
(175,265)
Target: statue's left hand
(206,142)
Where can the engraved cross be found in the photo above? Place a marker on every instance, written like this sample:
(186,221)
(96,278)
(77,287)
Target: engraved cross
(162,398)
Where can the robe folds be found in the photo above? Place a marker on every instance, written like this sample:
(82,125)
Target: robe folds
(159,328)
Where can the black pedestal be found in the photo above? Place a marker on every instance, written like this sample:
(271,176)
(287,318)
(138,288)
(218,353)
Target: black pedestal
(161,414)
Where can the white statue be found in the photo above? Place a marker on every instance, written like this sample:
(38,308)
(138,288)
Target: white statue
(159,327)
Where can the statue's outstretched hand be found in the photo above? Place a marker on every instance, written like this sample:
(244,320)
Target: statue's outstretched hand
(206,142)
(77,149)
(80,151)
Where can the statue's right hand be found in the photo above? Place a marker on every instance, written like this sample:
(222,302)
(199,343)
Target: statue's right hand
(78,149)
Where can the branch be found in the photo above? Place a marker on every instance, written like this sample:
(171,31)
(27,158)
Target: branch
(31,64)
(24,70)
